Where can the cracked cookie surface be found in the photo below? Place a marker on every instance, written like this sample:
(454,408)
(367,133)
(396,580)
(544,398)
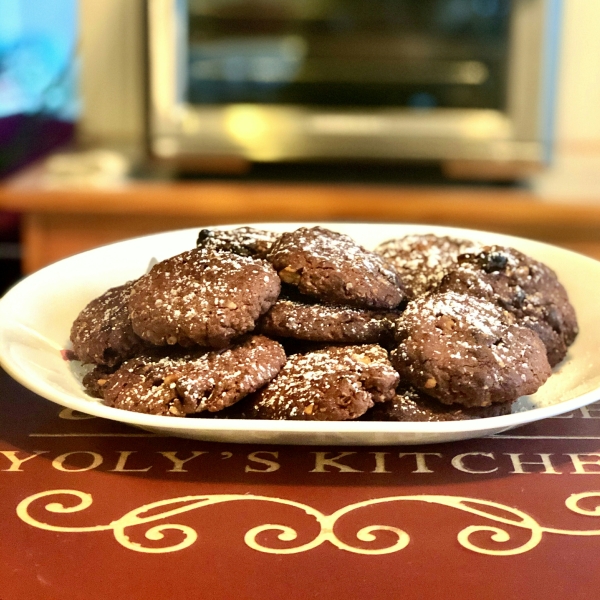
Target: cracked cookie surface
(330,266)
(183,383)
(202,297)
(102,333)
(336,383)
(461,349)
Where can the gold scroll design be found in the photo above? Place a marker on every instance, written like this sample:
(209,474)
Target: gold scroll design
(152,517)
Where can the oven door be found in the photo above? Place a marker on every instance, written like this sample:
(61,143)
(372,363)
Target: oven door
(465,82)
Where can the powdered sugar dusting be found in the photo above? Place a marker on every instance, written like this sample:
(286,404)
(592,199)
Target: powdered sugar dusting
(460,348)
(327,323)
(422,260)
(202,297)
(189,383)
(333,268)
(333,383)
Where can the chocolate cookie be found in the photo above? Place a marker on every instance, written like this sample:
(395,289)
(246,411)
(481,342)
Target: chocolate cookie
(102,334)
(331,267)
(202,297)
(184,383)
(243,241)
(410,405)
(523,286)
(421,260)
(333,384)
(95,380)
(307,320)
(462,349)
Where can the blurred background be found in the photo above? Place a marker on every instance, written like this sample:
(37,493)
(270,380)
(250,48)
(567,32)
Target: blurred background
(481,94)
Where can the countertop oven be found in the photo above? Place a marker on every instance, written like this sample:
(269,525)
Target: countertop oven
(468,83)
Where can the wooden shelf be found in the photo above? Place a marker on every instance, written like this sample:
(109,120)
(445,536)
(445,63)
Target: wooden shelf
(60,222)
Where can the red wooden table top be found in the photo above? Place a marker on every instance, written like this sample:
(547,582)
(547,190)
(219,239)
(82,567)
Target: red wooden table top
(93,509)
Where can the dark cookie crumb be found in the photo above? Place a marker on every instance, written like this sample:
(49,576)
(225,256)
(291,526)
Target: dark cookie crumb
(68,355)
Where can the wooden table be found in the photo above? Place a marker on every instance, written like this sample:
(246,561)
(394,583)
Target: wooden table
(510,516)
(60,222)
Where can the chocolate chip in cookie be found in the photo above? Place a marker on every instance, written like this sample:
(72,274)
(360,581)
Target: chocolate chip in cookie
(523,286)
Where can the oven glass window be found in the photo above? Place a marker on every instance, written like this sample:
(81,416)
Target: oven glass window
(349,53)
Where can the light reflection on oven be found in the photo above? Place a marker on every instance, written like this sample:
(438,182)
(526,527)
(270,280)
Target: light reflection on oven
(414,53)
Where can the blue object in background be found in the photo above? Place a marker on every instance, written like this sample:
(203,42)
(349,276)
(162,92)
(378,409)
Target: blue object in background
(422,100)
(39,101)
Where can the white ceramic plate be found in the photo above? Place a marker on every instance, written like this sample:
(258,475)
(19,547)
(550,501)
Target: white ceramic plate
(36,316)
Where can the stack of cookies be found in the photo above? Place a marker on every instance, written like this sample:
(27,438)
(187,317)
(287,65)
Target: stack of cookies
(308,325)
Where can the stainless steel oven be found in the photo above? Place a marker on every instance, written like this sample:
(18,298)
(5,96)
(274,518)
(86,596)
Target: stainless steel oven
(468,83)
